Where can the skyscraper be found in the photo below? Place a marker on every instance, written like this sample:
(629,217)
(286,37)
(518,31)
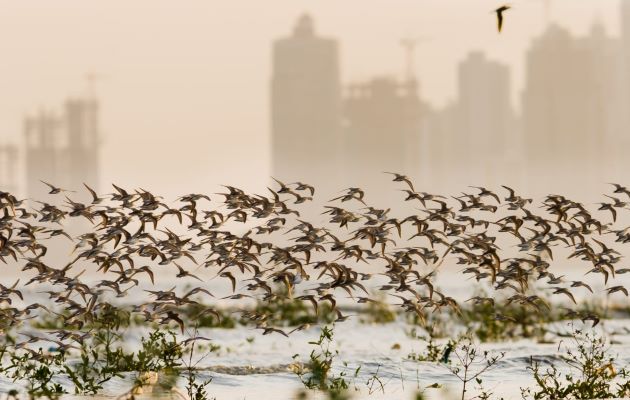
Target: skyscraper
(8,168)
(572,103)
(305,107)
(485,119)
(42,133)
(625,35)
(620,135)
(82,152)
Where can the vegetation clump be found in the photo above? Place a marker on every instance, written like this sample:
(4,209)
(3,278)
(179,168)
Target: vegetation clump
(97,359)
(317,374)
(377,312)
(434,352)
(471,363)
(586,370)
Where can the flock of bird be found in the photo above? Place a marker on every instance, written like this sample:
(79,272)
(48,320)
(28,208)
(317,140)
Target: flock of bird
(260,247)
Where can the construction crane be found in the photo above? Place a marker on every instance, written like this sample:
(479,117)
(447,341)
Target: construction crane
(409,44)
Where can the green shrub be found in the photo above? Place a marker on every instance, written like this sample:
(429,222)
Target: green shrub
(587,371)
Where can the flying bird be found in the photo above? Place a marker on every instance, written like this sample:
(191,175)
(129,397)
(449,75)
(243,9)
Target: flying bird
(499,11)
(54,189)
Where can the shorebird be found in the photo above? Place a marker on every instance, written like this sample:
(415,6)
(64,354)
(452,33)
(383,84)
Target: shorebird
(54,189)
(172,316)
(620,189)
(401,178)
(268,330)
(95,198)
(614,289)
(248,245)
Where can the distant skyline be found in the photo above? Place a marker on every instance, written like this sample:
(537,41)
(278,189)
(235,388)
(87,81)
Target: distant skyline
(183,78)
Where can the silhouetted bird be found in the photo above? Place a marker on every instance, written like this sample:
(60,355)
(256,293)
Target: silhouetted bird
(499,11)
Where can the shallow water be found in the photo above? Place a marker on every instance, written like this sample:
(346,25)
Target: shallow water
(252,366)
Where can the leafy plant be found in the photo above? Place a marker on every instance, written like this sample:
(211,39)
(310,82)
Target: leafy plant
(589,372)
(195,389)
(101,356)
(434,352)
(38,369)
(471,364)
(284,310)
(378,312)
(317,373)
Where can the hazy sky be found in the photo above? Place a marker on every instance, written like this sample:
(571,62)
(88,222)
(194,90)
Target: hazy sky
(184,85)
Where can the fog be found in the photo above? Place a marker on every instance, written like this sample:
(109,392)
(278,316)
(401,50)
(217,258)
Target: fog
(184,89)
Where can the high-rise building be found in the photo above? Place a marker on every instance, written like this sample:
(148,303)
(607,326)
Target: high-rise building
(569,102)
(62,149)
(625,37)
(607,93)
(486,125)
(305,107)
(82,152)
(8,168)
(439,150)
(621,135)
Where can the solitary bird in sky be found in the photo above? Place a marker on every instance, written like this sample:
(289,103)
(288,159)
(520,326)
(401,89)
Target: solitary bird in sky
(500,12)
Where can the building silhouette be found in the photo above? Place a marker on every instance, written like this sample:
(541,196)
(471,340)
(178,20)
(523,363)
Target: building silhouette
(571,103)
(41,133)
(440,148)
(485,123)
(620,136)
(572,121)
(382,129)
(8,168)
(624,46)
(306,107)
(62,149)
(82,151)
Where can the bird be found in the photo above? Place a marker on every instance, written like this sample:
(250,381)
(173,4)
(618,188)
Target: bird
(262,245)
(268,330)
(401,178)
(566,292)
(230,277)
(303,186)
(620,189)
(499,11)
(54,189)
(172,316)
(95,198)
(614,289)
(590,317)
(300,327)
(194,339)
(182,273)
(580,283)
